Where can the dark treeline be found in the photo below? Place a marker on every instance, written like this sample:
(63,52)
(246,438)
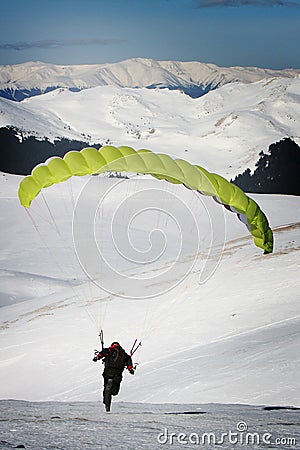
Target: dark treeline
(277,172)
(19,156)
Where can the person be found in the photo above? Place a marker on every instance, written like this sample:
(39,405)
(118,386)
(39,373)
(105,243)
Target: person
(115,361)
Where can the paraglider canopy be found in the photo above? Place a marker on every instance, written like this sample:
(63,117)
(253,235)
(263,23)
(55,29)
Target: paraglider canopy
(161,166)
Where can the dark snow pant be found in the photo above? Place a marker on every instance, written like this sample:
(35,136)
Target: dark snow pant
(111,387)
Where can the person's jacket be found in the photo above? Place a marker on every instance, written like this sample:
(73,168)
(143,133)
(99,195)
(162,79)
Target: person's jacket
(115,358)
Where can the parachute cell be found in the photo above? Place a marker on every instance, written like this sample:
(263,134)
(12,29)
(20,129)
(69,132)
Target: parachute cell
(161,166)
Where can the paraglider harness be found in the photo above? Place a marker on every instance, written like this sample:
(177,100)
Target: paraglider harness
(136,344)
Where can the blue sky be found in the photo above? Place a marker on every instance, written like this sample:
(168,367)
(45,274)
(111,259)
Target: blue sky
(264,33)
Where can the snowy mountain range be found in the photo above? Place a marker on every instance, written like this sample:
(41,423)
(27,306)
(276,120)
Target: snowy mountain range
(224,130)
(194,78)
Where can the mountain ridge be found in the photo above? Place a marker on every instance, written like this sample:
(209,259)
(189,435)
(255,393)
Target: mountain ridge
(224,131)
(195,78)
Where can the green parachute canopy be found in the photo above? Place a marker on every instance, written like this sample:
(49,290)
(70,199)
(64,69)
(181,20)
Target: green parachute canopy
(126,159)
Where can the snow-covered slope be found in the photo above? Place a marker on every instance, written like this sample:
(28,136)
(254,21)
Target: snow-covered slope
(232,338)
(77,426)
(224,130)
(31,78)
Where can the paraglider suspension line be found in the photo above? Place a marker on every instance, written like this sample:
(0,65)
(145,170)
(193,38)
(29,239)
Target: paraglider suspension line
(135,346)
(101,339)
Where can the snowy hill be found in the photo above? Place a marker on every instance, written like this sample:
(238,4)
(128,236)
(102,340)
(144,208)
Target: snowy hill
(228,332)
(195,78)
(225,130)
